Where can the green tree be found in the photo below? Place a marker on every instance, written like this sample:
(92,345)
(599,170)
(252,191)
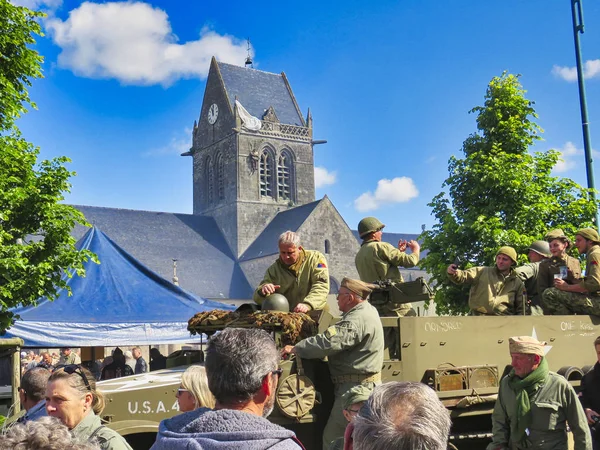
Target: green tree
(499,193)
(36,247)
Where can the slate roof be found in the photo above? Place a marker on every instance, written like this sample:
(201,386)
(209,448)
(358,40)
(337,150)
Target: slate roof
(291,219)
(257,90)
(205,264)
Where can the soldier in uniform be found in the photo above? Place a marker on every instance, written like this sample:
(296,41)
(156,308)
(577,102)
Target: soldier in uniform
(582,297)
(495,291)
(300,275)
(354,347)
(353,400)
(378,261)
(537,252)
(560,264)
(534,404)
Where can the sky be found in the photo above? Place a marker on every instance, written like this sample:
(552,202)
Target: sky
(389,84)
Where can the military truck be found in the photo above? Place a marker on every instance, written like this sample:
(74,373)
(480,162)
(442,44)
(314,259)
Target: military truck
(462,358)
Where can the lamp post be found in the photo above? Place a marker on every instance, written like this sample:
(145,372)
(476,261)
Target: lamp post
(577,12)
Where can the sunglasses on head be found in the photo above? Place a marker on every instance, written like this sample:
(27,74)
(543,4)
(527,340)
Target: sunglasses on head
(76,368)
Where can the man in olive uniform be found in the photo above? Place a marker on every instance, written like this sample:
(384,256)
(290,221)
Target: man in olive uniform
(378,261)
(495,291)
(354,347)
(534,404)
(538,252)
(352,401)
(582,297)
(300,275)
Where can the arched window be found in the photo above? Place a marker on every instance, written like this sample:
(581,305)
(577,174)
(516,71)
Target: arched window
(220,165)
(208,182)
(266,174)
(327,246)
(284,176)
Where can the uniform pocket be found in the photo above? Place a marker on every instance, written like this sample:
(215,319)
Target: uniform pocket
(545,417)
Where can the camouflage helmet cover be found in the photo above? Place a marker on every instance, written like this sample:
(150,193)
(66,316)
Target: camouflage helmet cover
(541,247)
(276,302)
(369,225)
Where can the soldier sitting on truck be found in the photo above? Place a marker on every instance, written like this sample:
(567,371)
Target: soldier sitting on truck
(584,296)
(495,291)
(538,251)
(534,404)
(300,275)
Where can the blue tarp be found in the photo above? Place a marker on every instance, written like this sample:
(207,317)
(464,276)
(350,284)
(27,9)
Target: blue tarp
(118,302)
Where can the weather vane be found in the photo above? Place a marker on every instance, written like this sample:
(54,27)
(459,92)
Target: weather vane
(249,62)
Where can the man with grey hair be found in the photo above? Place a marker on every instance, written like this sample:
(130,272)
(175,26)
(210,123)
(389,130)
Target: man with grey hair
(32,393)
(298,274)
(400,415)
(242,371)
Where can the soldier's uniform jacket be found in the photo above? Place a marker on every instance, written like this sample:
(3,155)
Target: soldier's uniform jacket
(378,261)
(554,403)
(354,345)
(491,292)
(551,266)
(529,273)
(592,271)
(306,281)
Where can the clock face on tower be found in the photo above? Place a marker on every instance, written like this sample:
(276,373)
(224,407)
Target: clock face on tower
(213,113)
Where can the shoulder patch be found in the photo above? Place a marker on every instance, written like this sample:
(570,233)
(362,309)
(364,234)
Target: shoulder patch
(331,331)
(322,264)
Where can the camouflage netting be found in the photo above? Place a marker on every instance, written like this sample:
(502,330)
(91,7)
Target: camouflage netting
(293,326)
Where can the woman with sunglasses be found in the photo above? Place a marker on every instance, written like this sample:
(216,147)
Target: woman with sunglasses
(71,396)
(193,392)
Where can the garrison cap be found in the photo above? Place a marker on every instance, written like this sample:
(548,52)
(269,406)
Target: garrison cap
(508,251)
(358,287)
(526,344)
(590,234)
(357,394)
(557,234)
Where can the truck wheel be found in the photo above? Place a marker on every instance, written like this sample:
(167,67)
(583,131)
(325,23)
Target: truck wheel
(571,373)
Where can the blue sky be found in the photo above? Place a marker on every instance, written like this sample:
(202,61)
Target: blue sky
(389,85)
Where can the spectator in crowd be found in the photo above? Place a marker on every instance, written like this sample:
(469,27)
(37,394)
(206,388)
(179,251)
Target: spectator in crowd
(68,356)
(242,370)
(193,392)
(46,362)
(71,396)
(129,360)
(157,360)
(46,433)
(140,363)
(118,368)
(534,404)
(32,393)
(353,400)
(400,415)
(33,360)
(590,397)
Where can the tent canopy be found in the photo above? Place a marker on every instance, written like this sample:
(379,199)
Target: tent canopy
(118,302)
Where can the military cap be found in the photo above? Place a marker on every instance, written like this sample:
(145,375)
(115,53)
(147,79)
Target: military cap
(508,251)
(557,234)
(357,394)
(590,234)
(526,344)
(358,287)
(541,248)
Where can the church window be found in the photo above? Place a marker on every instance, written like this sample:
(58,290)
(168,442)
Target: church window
(208,180)
(220,177)
(266,174)
(284,176)
(327,246)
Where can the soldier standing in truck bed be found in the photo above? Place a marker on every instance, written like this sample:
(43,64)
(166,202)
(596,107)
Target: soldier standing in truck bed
(300,275)
(354,347)
(379,261)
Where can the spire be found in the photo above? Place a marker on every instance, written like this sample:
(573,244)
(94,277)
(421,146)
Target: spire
(249,62)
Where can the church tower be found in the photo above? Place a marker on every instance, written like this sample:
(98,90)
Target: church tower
(252,152)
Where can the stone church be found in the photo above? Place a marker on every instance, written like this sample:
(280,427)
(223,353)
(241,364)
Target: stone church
(253,178)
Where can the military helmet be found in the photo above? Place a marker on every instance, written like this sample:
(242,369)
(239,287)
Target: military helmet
(275,302)
(541,247)
(590,234)
(369,225)
(508,251)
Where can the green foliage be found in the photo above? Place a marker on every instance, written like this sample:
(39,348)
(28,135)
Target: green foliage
(499,193)
(36,247)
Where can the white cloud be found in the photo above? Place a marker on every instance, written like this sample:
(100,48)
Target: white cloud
(571,157)
(133,43)
(176,146)
(35,5)
(591,69)
(323,177)
(398,190)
